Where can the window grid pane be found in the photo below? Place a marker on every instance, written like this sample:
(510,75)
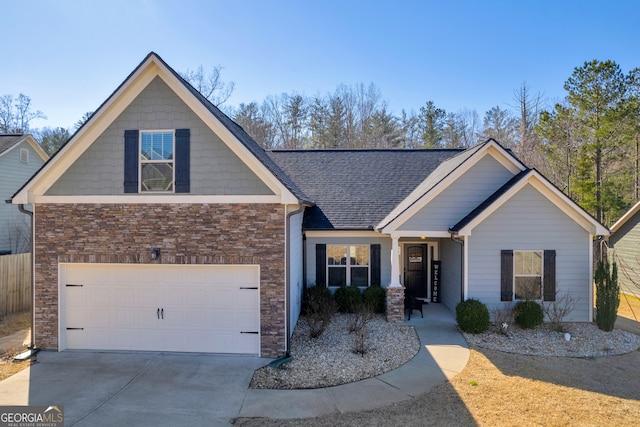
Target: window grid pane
(156,161)
(348,265)
(527,274)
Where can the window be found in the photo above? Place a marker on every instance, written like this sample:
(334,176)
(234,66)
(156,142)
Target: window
(156,161)
(24,155)
(527,274)
(348,265)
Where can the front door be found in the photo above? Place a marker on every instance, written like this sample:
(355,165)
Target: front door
(415,273)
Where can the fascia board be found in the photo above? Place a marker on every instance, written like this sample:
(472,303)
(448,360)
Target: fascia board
(552,194)
(159,199)
(37,148)
(83,139)
(115,105)
(631,212)
(228,138)
(343,233)
(492,148)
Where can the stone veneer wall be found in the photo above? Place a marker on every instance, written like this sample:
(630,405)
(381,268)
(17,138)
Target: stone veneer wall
(185,234)
(395,304)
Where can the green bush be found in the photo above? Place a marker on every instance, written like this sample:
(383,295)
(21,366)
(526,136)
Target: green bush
(315,298)
(318,308)
(528,314)
(472,316)
(347,298)
(607,296)
(374,297)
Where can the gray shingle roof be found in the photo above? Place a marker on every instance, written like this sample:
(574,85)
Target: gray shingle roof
(8,140)
(356,189)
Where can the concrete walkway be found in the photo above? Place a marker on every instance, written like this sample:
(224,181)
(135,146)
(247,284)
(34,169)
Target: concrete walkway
(168,389)
(443,354)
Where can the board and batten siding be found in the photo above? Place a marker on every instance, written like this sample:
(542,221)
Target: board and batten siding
(460,197)
(385,254)
(295,269)
(529,221)
(626,248)
(215,169)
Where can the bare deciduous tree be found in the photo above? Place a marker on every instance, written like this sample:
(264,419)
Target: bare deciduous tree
(210,85)
(16,114)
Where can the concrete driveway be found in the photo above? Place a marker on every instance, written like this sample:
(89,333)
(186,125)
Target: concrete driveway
(141,389)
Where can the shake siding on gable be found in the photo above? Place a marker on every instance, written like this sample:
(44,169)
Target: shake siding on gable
(626,244)
(215,169)
(457,200)
(529,221)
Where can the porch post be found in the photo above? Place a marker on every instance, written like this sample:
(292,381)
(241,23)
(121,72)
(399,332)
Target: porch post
(395,267)
(395,291)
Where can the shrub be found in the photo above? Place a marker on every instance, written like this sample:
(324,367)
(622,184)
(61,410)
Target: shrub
(360,317)
(558,309)
(347,298)
(528,314)
(319,308)
(374,297)
(607,295)
(472,316)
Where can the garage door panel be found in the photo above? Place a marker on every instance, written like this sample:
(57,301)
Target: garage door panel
(202,308)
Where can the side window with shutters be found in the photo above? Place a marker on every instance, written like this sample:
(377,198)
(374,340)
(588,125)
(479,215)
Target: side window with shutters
(529,274)
(157,161)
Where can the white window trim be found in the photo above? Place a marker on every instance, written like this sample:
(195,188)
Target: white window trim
(541,252)
(348,265)
(173,161)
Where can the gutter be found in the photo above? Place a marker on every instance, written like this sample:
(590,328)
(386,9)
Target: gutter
(461,243)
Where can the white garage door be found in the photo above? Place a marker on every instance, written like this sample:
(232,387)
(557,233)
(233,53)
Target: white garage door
(189,308)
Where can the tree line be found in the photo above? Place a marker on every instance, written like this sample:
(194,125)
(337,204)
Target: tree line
(588,144)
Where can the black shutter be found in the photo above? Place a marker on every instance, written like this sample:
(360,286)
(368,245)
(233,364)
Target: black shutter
(549,284)
(321,264)
(375,265)
(506,275)
(130,161)
(183,160)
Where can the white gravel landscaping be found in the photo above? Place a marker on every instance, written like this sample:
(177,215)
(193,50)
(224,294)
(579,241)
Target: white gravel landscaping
(329,360)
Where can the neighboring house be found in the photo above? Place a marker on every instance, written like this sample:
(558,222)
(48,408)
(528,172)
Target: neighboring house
(20,157)
(625,242)
(161,225)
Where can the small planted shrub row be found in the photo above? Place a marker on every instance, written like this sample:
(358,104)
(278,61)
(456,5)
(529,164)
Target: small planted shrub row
(319,306)
(349,299)
(473,316)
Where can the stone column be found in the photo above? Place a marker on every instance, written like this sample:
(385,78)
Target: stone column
(395,304)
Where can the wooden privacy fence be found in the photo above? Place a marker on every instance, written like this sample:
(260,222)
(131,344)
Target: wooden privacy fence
(15,284)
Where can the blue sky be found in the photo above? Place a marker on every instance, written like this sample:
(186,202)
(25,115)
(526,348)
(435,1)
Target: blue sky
(69,56)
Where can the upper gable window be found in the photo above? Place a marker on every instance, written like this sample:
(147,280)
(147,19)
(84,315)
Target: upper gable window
(157,172)
(24,155)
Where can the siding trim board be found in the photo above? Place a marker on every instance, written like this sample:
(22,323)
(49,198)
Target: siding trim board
(151,67)
(555,196)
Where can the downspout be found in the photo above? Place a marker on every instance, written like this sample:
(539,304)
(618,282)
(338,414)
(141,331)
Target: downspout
(461,243)
(287,273)
(32,334)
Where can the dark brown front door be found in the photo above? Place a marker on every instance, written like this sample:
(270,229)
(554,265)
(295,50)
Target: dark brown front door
(415,272)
